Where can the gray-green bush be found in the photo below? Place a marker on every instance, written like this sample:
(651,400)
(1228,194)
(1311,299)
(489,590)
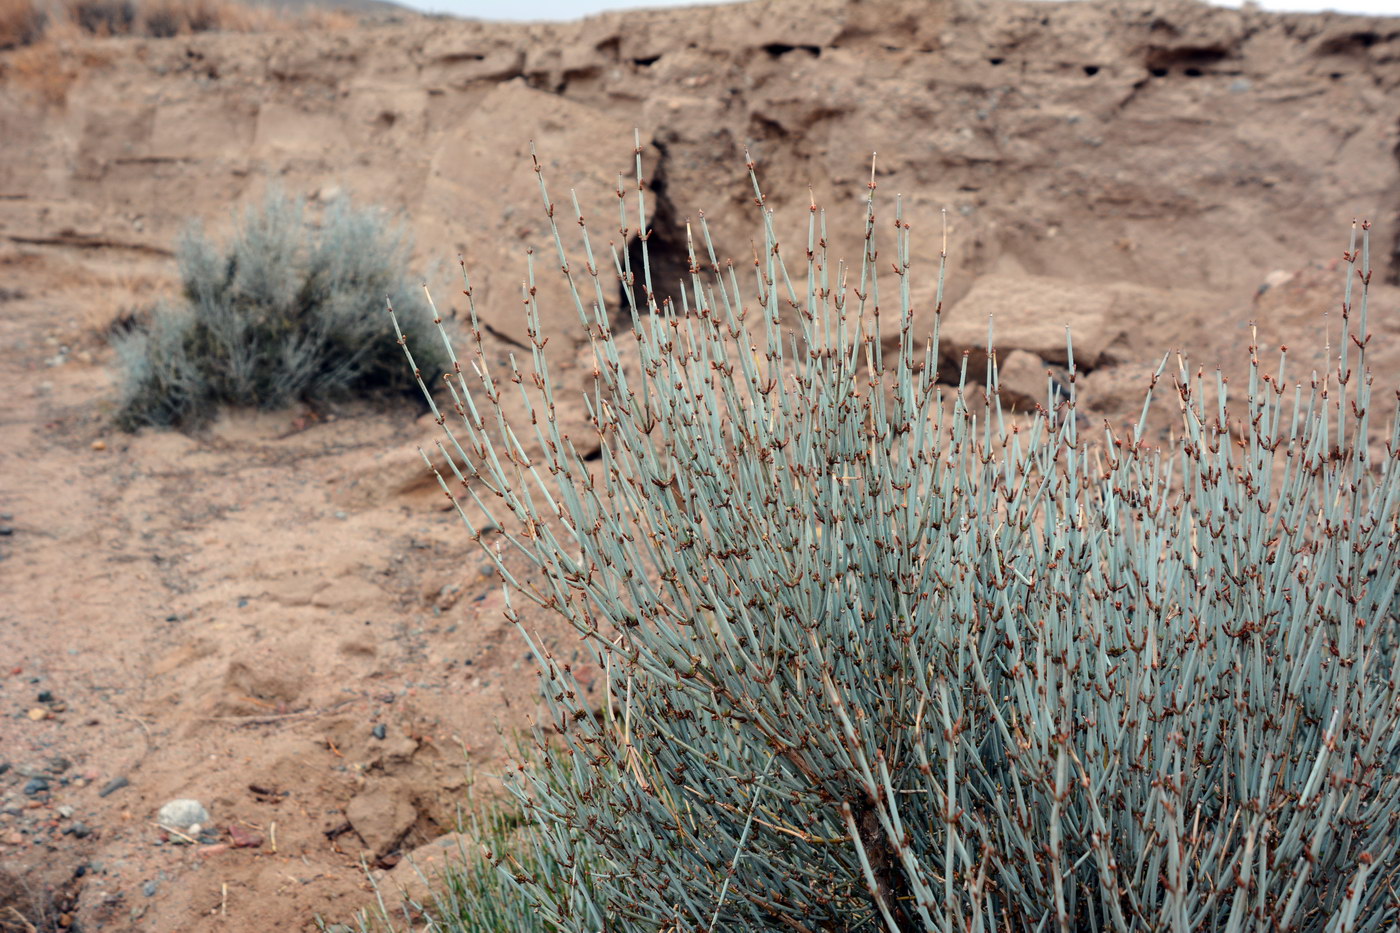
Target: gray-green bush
(287,311)
(880,663)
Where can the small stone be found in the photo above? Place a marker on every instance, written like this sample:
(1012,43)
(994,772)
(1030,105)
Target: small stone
(44,696)
(14,839)
(342,515)
(58,764)
(99,445)
(379,731)
(149,888)
(38,713)
(66,812)
(80,830)
(4,766)
(36,785)
(242,838)
(114,785)
(6,531)
(58,707)
(182,814)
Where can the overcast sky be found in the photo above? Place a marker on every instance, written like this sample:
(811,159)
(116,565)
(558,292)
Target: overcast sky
(573,9)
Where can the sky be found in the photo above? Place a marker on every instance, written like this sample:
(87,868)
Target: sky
(573,9)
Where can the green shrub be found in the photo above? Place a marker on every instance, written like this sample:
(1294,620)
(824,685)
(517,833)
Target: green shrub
(885,665)
(286,312)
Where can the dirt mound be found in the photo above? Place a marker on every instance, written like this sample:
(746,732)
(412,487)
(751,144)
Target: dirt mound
(277,617)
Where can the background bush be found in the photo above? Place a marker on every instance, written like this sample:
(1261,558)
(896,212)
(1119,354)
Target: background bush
(27,22)
(884,658)
(287,311)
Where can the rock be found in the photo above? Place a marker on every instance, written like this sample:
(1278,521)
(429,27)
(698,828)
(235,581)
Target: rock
(149,888)
(379,731)
(36,785)
(44,696)
(430,861)
(114,785)
(182,814)
(14,839)
(1030,312)
(99,445)
(38,713)
(1022,380)
(382,814)
(66,812)
(242,838)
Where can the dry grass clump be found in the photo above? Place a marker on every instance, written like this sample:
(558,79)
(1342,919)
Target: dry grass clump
(21,23)
(27,22)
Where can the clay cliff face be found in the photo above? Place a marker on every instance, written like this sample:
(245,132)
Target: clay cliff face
(1169,145)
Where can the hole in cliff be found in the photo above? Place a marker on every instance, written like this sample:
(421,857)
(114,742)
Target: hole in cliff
(1335,76)
(995,61)
(665,248)
(1158,72)
(1091,70)
(1394,277)
(767,128)
(1197,59)
(779,49)
(646,62)
(1352,43)
(386,119)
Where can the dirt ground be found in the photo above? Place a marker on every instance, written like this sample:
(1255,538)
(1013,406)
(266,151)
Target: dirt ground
(230,618)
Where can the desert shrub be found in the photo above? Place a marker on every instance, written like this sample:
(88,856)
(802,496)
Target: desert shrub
(104,17)
(885,658)
(164,18)
(287,311)
(26,22)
